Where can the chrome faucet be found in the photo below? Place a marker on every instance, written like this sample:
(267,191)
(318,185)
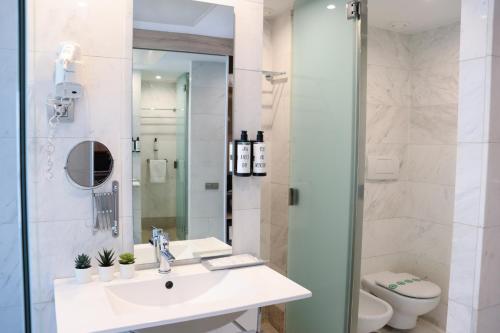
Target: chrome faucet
(163,256)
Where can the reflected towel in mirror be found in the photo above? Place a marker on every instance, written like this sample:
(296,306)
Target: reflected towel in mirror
(157,171)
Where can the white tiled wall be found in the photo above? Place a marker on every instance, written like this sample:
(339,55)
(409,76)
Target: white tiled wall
(60,213)
(412,111)
(474,297)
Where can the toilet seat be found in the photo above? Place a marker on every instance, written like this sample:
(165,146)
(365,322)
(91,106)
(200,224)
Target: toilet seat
(407,285)
(406,308)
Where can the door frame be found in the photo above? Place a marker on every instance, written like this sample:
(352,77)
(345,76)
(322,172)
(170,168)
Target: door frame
(361,45)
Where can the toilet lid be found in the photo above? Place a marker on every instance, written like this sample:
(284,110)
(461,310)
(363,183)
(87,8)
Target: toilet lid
(408,285)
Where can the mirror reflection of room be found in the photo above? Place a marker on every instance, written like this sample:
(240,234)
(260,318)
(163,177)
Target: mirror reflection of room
(179,135)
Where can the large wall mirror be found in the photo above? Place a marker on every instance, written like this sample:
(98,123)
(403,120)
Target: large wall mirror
(182,61)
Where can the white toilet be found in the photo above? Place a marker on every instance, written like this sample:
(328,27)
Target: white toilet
(373,313)
(408,295)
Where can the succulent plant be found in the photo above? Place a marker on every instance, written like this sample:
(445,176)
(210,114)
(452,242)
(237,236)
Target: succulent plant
(126,258)
(106,258)
(82,261)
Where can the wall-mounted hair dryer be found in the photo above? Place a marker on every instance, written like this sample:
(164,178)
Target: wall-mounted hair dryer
(65,76)
(61,104)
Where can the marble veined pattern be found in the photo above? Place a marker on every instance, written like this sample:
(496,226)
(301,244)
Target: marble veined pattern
(387,123)
(388,86)
(439,45)
(435,124)
(388,48)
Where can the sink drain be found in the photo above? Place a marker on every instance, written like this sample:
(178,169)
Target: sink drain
(169,285)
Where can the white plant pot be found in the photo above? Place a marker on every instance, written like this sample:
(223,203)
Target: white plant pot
(106,273)
(83,275)
(127,271)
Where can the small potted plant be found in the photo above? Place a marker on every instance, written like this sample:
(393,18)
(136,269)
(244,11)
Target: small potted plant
(106,260)
(127,267)
(82,268)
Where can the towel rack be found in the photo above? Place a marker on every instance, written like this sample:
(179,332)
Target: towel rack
(106,210)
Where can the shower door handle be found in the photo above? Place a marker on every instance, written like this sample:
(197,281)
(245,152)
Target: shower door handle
(293,196)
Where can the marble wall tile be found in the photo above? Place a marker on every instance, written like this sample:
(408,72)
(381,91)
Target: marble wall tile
(246,229)
(432,246)
(489,290)
(12,319)
(431,202)
(388,86)
(11,266)
(388,48)
(474,31)
(434,124)
(440,171)
(8,25)
(440,45)
(8,90)
(470,169)
(44,318)
(387,236)
(9,180)
(487,319)
(491,211)
(459,318)
(279,248)
(60,242)
(387,123)
(279,205)
(399,150)
(280,162)
(493,108)
(472,115)
(247,55)
(384,200)
(401,261)
(88,23)
(436,85)
(463,264)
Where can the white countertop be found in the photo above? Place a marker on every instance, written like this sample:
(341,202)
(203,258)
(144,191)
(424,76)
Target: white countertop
(88,308)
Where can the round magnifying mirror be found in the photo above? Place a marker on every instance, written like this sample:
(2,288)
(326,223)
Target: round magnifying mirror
(89,164)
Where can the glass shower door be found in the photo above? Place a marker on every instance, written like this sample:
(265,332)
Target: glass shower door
(181,134)
(323,165)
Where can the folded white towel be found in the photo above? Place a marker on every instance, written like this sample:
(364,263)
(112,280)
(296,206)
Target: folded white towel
(157,171)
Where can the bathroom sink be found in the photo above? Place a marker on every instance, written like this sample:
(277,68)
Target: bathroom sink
(164,292)
(188,293)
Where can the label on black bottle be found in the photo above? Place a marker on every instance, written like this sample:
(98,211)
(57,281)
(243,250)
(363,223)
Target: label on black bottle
(259,157)
(243,160)
(231,157)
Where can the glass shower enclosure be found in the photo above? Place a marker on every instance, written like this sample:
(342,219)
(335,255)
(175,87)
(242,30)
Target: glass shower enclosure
(326,160)
(14,299)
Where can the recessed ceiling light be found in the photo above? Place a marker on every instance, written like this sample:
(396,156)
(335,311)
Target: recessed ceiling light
(82,3)
(331,6)
(158,77)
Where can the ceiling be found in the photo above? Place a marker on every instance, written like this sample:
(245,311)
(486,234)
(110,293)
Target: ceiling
(184,16)
(276,7)
(408,16)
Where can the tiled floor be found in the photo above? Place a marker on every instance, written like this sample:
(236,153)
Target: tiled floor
(422,327)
